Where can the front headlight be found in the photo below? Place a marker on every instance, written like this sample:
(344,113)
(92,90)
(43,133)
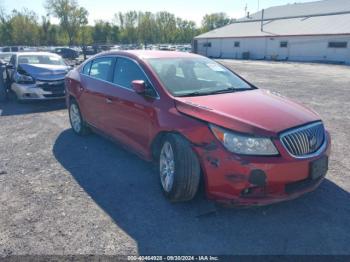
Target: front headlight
(23,79)
(242,144)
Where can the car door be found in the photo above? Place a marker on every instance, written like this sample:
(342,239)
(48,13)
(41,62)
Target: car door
(96,78)
(12,68)
(131,116)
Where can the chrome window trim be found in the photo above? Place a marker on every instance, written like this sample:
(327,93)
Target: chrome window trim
(114,84)
(295,130)
(110,83)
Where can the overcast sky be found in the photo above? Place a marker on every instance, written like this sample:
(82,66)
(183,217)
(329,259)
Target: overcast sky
(186,9)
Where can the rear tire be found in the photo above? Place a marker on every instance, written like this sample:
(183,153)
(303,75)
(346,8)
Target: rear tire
(76,120)
(179,169)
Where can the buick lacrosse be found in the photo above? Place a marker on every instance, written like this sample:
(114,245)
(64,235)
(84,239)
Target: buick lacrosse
(200,121)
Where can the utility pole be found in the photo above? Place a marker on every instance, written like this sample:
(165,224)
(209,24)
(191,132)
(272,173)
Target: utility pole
(262,20)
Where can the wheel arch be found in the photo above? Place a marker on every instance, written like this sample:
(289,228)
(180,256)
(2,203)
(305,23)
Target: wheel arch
(69,99)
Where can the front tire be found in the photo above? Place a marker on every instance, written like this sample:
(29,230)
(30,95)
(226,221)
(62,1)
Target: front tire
(77,123)
(179,169)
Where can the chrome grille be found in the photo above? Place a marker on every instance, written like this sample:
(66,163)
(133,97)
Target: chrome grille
(304,141)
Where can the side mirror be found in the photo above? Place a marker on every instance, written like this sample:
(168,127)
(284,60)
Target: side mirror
(139,86)
(9,66)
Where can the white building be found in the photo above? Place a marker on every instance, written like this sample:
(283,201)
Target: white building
(314,31)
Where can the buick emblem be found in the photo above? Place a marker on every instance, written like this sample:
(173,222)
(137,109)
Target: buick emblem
(313,142)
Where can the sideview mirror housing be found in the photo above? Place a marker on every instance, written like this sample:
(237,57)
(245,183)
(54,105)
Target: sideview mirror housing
(139,86)
(9,66)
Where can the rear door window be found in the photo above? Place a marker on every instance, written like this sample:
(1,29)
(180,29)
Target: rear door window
(127,71)
(101,68)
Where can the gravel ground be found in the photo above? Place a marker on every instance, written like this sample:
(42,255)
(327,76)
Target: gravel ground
(63,194)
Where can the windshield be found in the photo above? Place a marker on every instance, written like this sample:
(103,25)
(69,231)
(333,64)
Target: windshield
(196,76)
(40,59)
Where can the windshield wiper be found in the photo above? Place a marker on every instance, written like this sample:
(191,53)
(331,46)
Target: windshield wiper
(226,90)
(213,92)
(192,94)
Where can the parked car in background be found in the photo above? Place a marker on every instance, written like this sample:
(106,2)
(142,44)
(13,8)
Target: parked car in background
(116,48)
(199,120)
(3,80)
(103,48)
(164,47)
(6,57)
(184,48)
(12,49)
(37,75)
(77,49)
(89,51)
(4,60)
(67,53)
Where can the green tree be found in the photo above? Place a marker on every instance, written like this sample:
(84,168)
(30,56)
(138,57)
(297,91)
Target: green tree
(24,28)
(166,24)
(186,31)
(49,33)
(5,29)
(86,35)
(215,20)
(103,32)
(71,16)
(130,27)
(147,28)
(115,34)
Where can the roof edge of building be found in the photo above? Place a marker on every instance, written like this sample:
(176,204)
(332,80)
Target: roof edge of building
(268,36)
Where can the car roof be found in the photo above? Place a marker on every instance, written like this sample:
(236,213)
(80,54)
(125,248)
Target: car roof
(7,53)
(145,54)
(35,53)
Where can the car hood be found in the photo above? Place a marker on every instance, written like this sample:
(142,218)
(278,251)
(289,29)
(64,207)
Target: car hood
(45,72)
(258,111)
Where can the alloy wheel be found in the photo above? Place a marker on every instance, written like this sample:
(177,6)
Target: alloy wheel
(75,118)
(167,166)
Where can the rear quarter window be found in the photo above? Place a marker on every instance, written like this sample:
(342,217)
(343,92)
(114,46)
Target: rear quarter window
(101,68)
(86,69)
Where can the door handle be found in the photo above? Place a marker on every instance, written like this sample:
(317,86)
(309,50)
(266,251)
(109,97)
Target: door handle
(108,101)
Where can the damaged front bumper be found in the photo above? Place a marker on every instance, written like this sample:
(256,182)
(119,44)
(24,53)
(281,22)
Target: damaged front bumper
(255,180)
(36,92)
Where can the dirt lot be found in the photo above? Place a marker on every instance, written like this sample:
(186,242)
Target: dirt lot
(62,194)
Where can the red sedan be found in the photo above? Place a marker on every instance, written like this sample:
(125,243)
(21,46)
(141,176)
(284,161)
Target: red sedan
(200,121)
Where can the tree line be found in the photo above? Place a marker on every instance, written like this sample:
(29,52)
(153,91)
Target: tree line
(26,28)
